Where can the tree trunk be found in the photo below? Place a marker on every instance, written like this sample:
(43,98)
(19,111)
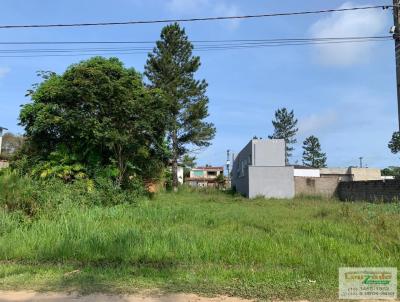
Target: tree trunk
(175,181)
(121,165)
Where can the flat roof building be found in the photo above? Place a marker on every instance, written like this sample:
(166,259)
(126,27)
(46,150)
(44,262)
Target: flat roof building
(260,170)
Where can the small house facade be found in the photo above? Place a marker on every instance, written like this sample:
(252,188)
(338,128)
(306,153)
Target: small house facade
(204,176)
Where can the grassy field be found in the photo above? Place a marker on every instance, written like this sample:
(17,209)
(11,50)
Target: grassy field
(203,242)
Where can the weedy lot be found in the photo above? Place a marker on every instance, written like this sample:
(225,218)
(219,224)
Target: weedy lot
(203,242)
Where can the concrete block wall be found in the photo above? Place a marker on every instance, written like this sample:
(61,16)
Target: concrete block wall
(318,186)
(374,190)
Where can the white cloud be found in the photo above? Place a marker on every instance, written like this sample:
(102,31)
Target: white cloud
(315,123)
(202,7)
(224,9)
(348,24)
(4,71)
(186,6)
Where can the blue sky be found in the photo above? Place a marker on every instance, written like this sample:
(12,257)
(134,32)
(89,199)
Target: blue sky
(343,94)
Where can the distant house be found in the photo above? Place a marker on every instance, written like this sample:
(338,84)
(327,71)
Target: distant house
(204,176)
(180,172)
(260,170)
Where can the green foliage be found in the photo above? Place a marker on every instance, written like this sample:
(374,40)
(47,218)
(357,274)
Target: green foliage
(391,171)
(171,68)
(394,144)
(206,242)
(101,111)
(220,179)
(188,162)
(285,127)
(312,155)
(35,196)
(60,164)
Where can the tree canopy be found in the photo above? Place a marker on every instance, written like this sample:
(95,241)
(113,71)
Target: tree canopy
(100,114)
(394,144)
(312,154)
(171,67)
(285,127)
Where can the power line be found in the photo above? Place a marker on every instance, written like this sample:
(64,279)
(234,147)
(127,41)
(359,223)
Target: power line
(193,41)
(221,43)
(199,47)
(14,53)
(136,22)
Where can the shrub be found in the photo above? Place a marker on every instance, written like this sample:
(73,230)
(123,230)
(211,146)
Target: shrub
(31,196)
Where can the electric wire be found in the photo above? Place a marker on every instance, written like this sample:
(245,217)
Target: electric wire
(136,22)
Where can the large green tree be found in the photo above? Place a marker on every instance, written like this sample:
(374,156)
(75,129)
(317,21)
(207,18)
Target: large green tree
(285,127)
(100,112)
(312,154)
(171,67)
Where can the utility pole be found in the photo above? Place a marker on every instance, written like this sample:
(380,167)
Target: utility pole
(361,164)
(396,36)
(228,164)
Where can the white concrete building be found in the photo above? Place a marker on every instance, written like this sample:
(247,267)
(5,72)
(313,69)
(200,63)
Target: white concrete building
(1,136)
(260,170)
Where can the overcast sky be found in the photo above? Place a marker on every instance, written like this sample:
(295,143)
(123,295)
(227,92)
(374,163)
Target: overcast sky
(343,94)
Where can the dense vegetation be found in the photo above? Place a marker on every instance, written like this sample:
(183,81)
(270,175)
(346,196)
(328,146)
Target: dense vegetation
(99,120)
(97,117)
(207,242)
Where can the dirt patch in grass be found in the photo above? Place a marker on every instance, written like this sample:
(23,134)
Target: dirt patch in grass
(31,296)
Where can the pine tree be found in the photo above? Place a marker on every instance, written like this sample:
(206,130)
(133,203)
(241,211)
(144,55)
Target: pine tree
(312,155)
(285,128)
(171,68)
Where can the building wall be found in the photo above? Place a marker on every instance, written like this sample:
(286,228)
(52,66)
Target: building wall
(318,186)
(373,190)
(363,174)
(241,182)
(352,174)
(268,153)
(180,175)
(307,172)
(259,169)
(204,173)
(271,182)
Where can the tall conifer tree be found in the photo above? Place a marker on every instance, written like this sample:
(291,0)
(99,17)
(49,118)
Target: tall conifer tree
(285,127)
(171,68)
(312,154)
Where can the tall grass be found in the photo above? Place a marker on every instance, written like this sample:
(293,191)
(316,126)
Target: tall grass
(199,241)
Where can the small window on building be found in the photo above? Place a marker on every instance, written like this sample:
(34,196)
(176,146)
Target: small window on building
(211,173)
(242,167)
(198,173)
